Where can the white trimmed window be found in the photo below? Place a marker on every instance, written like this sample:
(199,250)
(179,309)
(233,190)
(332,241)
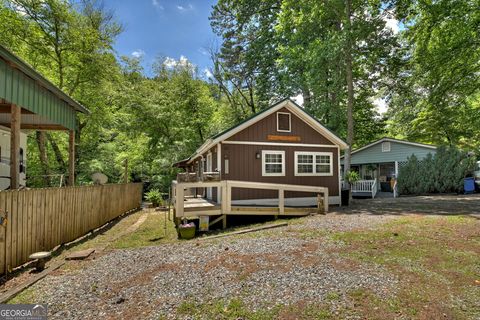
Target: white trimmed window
(385,146)
(284,122)
(273,163)
(313,163)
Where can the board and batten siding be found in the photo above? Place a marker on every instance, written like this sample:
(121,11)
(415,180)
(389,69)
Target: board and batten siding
(244,166)
(259,131)
(241,148)
(398,152)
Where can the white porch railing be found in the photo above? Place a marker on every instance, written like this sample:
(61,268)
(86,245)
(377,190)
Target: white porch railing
(367,186)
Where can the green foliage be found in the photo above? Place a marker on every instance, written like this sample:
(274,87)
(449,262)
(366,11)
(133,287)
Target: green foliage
(152,122)
(352,176)
(441,173)
(154,196)
(270,49)
(435,90)
(285,48)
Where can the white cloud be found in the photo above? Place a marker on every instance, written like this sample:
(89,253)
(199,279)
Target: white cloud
(298,99)
(138,53)
(207,73)
(156,4)
(169,62)
(392,24)
(203,51)
(185,8)
(19,9)
(381,105)
(183,61)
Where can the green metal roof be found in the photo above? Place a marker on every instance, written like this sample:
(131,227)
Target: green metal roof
(20,84)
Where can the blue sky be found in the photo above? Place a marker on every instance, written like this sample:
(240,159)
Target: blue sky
(169,28)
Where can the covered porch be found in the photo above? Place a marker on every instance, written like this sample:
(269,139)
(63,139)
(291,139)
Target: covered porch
(28,101)
(376,179)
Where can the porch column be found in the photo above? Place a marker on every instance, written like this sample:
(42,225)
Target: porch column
(396,169)
(15,119)
(71,158)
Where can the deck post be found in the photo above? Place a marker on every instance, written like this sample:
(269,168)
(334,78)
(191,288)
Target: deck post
(179,194)
(224,222)
(224,197)
(281,201)
(228,199)
(15,119)
(319,203)
(71,158)
(325,200)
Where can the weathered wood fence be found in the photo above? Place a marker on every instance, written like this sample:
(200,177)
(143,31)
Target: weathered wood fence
(41,219)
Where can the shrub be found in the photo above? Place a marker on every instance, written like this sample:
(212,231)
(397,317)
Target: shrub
(441,173)
(352,177)
(155,197)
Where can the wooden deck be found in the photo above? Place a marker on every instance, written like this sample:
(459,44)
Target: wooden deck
(186,206)
(193,204)
(205,207)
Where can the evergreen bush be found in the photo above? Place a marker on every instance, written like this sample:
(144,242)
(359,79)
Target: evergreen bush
(441,173)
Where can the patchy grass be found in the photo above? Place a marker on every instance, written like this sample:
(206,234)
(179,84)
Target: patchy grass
(105,238)
(27,296)
(236,309)
(151,232)
(437,260)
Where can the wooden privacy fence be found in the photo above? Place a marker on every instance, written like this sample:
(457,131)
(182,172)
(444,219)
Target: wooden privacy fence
(41,219)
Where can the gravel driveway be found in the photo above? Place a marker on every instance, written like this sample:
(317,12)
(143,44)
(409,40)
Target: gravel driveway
(280,266)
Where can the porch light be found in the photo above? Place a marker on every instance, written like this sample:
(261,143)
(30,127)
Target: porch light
(257,155)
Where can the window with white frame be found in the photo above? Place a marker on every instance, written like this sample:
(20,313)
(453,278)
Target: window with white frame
(284,122)
(385,146)
(273,163)
(313,163)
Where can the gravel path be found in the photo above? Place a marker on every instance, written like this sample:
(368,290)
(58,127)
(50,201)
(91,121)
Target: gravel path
(278,266)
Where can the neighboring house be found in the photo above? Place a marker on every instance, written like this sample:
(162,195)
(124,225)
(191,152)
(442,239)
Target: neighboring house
(281,145)
(378,163)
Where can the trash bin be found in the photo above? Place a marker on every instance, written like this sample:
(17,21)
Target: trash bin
(469,185)
(345,197)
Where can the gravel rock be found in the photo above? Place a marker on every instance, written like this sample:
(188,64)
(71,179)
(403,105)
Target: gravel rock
(276,268)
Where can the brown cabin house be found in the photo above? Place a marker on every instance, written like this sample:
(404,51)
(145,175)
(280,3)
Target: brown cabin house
(281,145)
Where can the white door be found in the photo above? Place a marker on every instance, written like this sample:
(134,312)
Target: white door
(209,169)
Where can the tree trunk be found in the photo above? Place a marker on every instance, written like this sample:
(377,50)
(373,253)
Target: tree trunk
(58,154)
(41,143)
(350,92)
(307,97)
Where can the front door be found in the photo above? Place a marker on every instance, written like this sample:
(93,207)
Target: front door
(209,169)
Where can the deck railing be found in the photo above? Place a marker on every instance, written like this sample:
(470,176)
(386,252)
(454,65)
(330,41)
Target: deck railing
(365,186)
(195,177)
(224,188)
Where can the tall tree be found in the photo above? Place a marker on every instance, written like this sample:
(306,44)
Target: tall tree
(435,97)
(244,67)
(68,42)
(337,52)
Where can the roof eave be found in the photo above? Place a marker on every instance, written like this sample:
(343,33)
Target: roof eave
(28,70)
